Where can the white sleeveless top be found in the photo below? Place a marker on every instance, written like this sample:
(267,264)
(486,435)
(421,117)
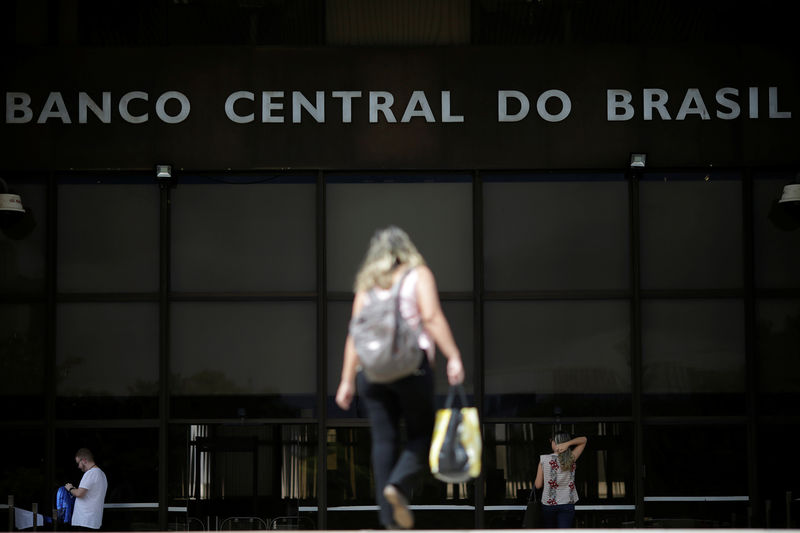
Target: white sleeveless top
(559,486)
(409,310)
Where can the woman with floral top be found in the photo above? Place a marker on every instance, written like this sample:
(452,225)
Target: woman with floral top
(557,469)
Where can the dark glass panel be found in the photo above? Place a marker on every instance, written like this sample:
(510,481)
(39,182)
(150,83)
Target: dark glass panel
(778,337)
(693,360)
(695,460)
(691,231)
(108,234)
(434,209)
(243,359)
(536,237)
(22,359)
(21,473)
(244,234)
(107,360)
(567,355)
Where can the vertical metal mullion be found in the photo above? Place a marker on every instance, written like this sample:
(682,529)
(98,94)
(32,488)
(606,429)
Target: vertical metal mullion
(750,332)
(163,352)
(322,356)
(51,288)
(636,345)
(477,314)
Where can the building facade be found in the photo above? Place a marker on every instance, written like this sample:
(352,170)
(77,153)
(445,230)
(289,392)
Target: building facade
(595,188)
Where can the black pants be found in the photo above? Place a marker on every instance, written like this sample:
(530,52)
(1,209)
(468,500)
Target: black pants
(409,399)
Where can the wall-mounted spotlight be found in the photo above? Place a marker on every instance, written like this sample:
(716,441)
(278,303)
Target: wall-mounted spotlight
(163,171)
(164,176)
(785,212)
(16,222)
(638,160)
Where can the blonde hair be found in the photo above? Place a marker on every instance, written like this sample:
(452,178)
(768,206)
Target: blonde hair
(388,249)
(566,459)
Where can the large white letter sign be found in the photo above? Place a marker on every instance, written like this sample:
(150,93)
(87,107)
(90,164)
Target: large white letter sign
(502,106)
(18,108)
(230,102)
(619,99)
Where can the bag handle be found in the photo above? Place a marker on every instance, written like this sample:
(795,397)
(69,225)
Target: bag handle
(451,394)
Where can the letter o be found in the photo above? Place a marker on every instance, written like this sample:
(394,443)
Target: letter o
(566,105)
(170,95)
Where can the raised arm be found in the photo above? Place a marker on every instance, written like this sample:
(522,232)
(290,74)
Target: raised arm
(436,324)
(578,442)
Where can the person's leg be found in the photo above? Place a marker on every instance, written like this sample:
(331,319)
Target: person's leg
(384,414)
(566,516)
(548,517)
(415,394)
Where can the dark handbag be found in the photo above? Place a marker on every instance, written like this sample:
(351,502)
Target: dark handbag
(532,512)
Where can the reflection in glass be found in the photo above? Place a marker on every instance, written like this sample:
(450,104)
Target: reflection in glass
(695,460)
(244,470)
(105,351)
(693,356)
(436,215)
(544,354)
(555,233)
(22,359)
(691,231)
(243,359)
(778,336)
(253,236)
(108,236)
(21,474)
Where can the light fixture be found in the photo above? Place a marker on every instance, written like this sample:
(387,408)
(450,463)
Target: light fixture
(15,221)
(164,171)
(785,212)
(638,160)
(791,193)
(10,202)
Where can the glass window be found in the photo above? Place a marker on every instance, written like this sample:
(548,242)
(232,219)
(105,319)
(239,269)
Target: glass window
(129,459)
(108,235)
(435,210)
(691,231)
(570,355)
(22,474)
(22,240)
(676,463)
(22,329)
(243,359)
(693,356)
(251,233)
(460,317)
(351,490)
(604,476)
(695,475)
(777,472)
(555,232)
(107,360)
(777,247)
(778,336)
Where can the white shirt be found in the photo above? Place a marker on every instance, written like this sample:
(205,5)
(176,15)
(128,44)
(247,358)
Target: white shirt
(88,510)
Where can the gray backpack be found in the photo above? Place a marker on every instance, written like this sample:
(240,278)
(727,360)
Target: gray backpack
(386,344)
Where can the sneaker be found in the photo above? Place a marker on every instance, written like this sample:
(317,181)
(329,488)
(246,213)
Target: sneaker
(403,516)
